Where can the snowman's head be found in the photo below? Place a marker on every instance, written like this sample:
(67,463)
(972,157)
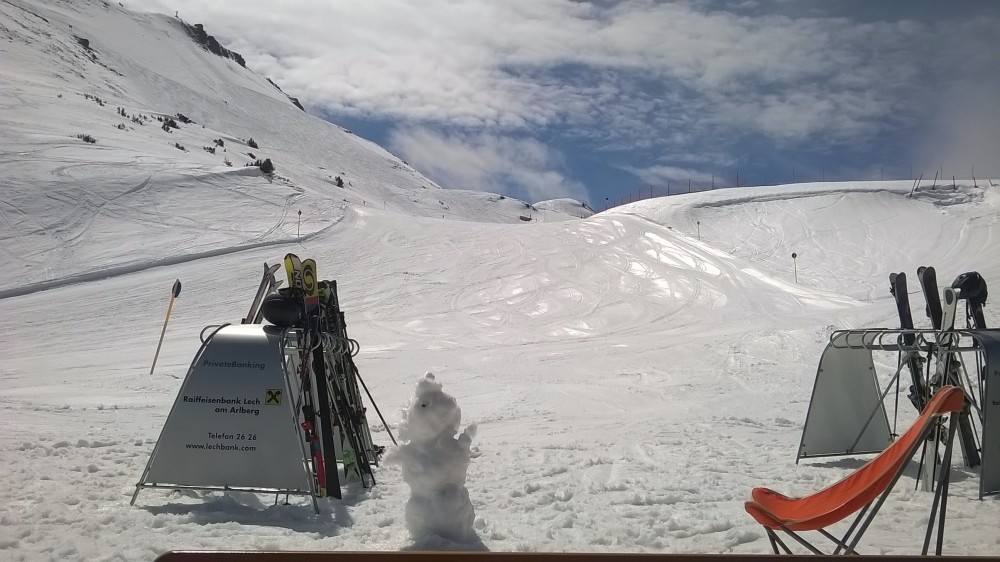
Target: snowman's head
(431,413)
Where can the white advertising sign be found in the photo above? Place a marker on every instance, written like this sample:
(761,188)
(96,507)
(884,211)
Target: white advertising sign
(233,423)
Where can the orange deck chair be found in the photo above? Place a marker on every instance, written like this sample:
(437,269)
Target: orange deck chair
(866,486)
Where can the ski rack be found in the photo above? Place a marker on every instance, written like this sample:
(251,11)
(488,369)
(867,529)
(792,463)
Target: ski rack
(874,339)
(341,389)
(330,403)
(270,409)
(847,413)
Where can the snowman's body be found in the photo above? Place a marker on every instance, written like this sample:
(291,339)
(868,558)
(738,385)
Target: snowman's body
(435,463)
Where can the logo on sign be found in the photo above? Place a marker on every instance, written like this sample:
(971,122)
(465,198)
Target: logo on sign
(272,397)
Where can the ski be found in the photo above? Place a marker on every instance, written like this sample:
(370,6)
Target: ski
(310,285)
(928,283)
(296,286)
(315,447)
(351,421)
(897,287)
(949,372)
(267,284)
(293,270)
(949,310)
(327,422)
(918,390)
(343,377)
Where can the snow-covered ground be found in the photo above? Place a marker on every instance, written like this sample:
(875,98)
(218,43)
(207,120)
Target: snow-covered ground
(632,374)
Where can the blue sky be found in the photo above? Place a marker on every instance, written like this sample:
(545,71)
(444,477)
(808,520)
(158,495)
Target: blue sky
(598,101)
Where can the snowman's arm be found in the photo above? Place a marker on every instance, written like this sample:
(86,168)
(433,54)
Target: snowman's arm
(469,433)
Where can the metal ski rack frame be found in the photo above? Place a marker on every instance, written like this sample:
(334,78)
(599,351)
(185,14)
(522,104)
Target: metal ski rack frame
(847,413)
(345,401)
(269,408)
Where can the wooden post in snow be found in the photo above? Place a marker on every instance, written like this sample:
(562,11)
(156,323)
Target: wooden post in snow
(175,291)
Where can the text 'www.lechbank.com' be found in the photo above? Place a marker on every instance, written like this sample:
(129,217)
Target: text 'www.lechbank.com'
(221,447)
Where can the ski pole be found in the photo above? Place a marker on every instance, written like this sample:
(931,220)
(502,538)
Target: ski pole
(174,292)
(372,400)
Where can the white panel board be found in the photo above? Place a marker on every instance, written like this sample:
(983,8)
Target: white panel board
(840,420)
(233,423)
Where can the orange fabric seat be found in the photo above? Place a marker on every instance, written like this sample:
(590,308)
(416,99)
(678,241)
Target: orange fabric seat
(859,489)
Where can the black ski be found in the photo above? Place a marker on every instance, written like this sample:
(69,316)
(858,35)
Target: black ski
(897,286)
(326,422)
(914,363)
(928,283)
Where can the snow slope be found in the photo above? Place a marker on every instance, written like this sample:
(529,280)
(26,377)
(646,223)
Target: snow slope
(137,182)
(633,374)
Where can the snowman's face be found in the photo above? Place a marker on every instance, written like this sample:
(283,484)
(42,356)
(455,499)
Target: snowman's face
(432,414)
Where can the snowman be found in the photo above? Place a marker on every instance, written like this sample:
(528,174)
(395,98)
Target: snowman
(434,463)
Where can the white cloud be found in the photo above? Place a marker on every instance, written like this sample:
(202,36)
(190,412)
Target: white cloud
(525,168)
(660,175)
(630,75)
(487,63)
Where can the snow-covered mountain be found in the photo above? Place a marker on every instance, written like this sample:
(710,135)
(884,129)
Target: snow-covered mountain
(633,374)
(88,90)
